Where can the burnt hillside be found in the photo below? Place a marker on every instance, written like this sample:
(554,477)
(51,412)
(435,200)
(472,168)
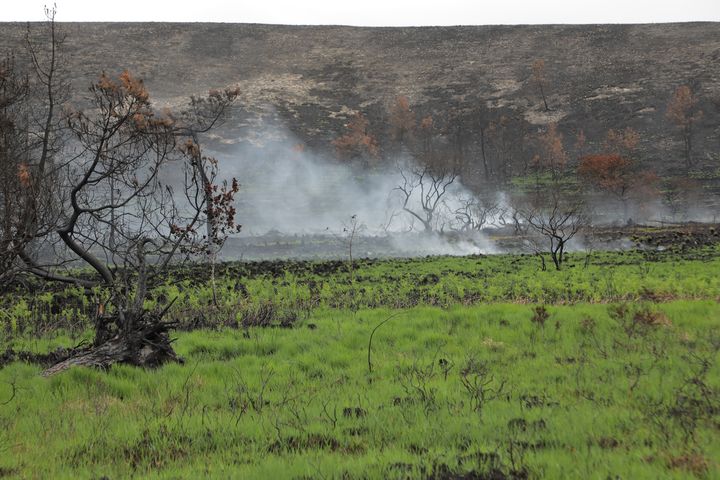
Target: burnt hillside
(312,77)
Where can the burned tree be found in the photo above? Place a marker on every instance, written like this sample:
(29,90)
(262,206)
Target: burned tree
(94,187)
(121,219)
(681,196)
(217,200)
(472,215)
(502,145)
(98,198)
(401,120)
(31,88)
(425,181)
(616,170)
(15,177)
(684,112)
(467,129)
(538,75)
(556,220)
(551,155)
(422,190)
(609,173)
(357,142)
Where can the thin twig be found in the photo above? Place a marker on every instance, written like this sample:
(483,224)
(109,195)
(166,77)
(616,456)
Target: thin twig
(373,333)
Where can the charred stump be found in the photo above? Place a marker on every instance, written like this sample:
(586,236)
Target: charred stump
(146,343)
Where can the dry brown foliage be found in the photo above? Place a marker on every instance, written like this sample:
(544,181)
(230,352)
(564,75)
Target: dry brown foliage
(357,141)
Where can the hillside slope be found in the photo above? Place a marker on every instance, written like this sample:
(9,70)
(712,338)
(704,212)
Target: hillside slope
(311,78)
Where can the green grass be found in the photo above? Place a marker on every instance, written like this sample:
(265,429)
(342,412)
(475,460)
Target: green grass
(609,276)
(580,398)
(463,380)
(295,288)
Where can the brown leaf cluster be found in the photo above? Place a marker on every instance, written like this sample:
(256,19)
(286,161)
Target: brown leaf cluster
(552,154)
(402,119)
(682,109)
(357,141)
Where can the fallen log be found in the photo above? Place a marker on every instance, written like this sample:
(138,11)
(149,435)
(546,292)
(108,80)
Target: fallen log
(146,344)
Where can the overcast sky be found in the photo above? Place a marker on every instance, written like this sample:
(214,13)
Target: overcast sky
(370,12)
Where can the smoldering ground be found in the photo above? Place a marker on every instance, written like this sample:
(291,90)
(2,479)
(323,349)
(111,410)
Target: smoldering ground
(297,203)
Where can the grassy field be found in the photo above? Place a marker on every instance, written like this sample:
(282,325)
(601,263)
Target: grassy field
(480,367)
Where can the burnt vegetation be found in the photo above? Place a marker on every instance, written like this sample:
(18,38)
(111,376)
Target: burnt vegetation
(88,187)
(549,360)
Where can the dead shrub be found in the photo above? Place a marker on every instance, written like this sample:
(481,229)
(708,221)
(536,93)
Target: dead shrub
(638,321)
(267,314)
(694,463)
(651,318)
(540,316)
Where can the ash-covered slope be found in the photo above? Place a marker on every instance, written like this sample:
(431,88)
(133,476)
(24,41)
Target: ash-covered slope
(598,76)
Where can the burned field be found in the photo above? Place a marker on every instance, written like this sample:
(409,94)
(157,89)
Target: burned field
(438,367)
(436,253)
(262,250)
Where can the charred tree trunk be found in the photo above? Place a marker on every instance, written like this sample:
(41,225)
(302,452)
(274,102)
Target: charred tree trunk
(556,253)
(542,93)
(687,144)
(148,344)
(129,335)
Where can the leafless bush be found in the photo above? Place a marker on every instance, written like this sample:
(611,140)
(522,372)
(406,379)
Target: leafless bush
(416,381)
(556,220)
(540,316)
(267,314)
(638,321)
(693,404)
(241,396)
(472,215)
(429,185)
(480,384)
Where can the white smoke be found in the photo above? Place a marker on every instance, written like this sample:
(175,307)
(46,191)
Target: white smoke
(296,203)
(286,190)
